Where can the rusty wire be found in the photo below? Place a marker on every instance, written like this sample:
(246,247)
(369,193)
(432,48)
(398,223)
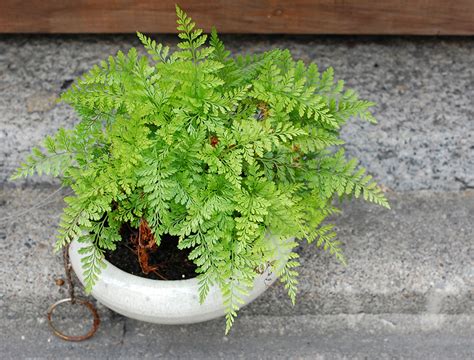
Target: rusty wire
(73,300)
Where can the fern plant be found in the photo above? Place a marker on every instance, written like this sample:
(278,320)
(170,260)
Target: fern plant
(218,150)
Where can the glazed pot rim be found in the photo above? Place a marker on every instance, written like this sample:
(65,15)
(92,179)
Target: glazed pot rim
(112,272)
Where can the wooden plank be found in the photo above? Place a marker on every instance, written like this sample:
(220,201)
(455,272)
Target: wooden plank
(421,17)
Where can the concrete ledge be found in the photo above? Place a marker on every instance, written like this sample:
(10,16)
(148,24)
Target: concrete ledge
(415,259)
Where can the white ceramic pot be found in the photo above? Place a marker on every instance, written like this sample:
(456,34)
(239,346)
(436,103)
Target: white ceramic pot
(159,301)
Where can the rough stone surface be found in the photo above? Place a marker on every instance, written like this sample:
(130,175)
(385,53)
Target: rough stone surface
(424,89)
(416,258)
(253,337)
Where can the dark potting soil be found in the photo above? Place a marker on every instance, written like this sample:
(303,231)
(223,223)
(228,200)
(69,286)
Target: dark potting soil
(172,263)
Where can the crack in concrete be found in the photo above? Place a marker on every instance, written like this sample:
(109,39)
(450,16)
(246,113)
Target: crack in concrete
(124,332)
(464,184)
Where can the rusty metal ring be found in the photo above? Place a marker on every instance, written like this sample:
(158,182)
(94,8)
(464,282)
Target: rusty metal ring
(87,304)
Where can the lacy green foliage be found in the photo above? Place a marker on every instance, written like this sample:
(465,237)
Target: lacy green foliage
(217,150)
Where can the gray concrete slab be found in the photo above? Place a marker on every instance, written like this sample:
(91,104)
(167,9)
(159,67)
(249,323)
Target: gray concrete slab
(384,336)
(424,88)
(416,258)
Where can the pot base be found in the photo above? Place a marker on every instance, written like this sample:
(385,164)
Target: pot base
(159,301)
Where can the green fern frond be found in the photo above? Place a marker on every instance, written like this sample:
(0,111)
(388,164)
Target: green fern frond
(289,276)
(92,263)
(158,52)
(336,175)
(220,53)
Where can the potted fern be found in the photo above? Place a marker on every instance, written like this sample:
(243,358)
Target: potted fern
(197,174)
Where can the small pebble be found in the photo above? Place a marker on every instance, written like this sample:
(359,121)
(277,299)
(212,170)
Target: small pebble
(59,281)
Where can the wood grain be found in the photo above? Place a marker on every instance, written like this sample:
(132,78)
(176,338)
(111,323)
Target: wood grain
(420,17)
